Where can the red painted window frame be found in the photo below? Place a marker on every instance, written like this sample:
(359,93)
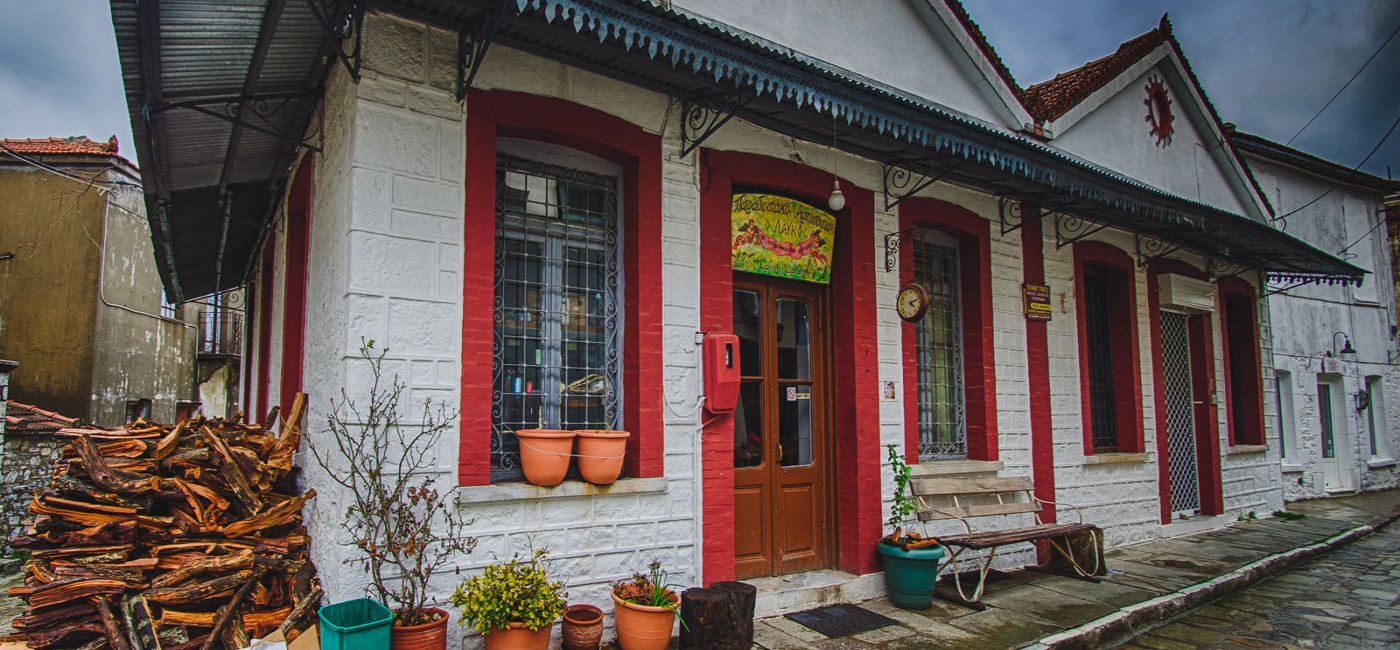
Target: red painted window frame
(1126,367)
(855,346)
(493,114)
(1233,336)
(973,235)
(298,255)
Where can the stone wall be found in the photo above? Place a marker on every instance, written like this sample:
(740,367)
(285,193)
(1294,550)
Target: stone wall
(27,464)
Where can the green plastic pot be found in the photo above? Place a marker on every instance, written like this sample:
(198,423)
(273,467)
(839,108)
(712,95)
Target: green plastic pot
(911,575)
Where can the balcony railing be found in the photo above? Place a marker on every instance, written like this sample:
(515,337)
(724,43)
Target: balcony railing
(220,332)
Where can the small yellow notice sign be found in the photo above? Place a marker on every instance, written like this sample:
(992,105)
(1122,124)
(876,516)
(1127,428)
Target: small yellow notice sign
(1037,299)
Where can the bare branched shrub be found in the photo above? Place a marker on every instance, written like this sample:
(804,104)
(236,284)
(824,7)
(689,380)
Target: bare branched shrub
(396,518)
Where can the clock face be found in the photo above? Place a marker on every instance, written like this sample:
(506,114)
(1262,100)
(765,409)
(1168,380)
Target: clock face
(912,302)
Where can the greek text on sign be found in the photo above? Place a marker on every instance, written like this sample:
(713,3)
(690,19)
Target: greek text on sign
(1037,298)
(782,237)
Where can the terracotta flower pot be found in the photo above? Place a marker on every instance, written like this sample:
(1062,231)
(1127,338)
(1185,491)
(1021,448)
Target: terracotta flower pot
(600,455)
(517,637)
(643,627)
(582,628)
(545,454)
(428,636)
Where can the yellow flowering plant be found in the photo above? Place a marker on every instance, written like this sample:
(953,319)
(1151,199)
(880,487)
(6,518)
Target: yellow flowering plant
(519,591)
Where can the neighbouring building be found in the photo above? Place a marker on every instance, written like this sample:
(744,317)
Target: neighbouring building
(544,231)
(81,304)
(1336,354)
(28,450)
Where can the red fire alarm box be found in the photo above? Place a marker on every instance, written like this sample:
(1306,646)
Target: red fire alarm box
(721,372)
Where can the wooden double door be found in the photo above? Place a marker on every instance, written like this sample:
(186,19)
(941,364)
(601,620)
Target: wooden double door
(782,428)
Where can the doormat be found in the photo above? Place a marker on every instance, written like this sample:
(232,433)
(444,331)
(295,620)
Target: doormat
(841,620)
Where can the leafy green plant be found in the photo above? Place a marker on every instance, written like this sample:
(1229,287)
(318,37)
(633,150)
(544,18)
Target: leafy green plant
(650,589)
(902,507)
(519,591)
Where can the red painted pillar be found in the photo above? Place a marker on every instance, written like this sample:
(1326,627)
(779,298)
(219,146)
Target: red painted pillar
(1038,367)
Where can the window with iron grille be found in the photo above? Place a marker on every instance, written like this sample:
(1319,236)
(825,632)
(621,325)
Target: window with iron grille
(938,348)
(1098,336)
(557,315)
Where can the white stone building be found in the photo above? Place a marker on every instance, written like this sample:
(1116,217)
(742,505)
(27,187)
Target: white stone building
(569,204)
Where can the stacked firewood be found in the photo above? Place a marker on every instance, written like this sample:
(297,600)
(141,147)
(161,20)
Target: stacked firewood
(176,537)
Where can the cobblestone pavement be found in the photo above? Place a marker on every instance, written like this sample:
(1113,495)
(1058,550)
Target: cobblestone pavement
(1346,599)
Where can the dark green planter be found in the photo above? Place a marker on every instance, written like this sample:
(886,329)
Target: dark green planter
(911,575)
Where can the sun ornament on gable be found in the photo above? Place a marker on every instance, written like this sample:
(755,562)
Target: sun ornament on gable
(1159,110)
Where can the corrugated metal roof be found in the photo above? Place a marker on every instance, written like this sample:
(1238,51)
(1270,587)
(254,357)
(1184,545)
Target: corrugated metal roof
(207,49)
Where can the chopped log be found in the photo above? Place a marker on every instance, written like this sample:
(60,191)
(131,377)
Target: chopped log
(73,486)
(217,564)
(742,599)
(281,456)
(100,643)
(233,473)
(98,470)
(116,637)
(60,502)
(131,577)
(55,553)
(233,635)
(192,644)
(169,443)
(49,616)
(70,589)
(229,613)
(140,623)
(707,622)
(186,594)
(306,606)
(283,513)
(110,533)
(65,636)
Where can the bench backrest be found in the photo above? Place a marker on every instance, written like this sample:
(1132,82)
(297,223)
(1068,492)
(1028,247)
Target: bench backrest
(979,497)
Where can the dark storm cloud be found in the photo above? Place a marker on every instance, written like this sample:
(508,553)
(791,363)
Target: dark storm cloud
(59,74)
(1267,65)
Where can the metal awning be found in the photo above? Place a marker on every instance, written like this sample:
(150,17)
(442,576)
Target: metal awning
(716,70)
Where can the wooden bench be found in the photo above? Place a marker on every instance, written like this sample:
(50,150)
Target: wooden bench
(987,497)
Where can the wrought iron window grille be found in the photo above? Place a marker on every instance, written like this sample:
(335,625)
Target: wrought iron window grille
(558,310)
(1098,337)
(939,348)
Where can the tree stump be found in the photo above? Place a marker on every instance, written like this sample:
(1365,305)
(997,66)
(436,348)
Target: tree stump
(741,604)
(706,614)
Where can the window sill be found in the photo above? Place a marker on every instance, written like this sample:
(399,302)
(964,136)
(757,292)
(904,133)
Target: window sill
(521,491)
(1246,449)
(1377,463)
(1113,458)
(951,467)
(1291,468)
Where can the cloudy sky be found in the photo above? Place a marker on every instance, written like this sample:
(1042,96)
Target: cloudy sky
(1268,65)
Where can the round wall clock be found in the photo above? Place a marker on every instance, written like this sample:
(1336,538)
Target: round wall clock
(1159,110)
(912,302)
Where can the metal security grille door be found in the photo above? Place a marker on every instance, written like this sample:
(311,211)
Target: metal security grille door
(1181,420)
(938,348)
(1102,400)
(558,331)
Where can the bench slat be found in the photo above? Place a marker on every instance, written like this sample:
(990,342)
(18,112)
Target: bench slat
(1016,535)
(948,487)
(934,514)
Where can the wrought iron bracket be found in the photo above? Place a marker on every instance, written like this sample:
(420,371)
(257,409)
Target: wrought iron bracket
(701,117)
(341,21)
(894,240)
(1218,269)
(472,43)
(262,108)
(1070,228)
(1151,247)
(903,180)
(1012,219)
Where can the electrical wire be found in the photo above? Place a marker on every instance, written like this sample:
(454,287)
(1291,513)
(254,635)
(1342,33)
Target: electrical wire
(1344,178)
(1379,223)
(1344,86)
(63,172)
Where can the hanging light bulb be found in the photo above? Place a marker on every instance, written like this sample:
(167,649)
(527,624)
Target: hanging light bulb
(837,200)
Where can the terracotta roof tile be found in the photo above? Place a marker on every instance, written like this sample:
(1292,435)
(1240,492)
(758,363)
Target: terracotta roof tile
(76,144)
(1049,100)
(982,43)
(24,418)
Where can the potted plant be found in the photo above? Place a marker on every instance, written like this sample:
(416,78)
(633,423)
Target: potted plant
(512,605)
(645,610)
(582,628)
(911,561)
(545,455)
(600,453)
(405,530)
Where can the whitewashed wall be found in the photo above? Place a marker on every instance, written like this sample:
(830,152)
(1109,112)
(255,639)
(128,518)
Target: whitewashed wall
(1306,318)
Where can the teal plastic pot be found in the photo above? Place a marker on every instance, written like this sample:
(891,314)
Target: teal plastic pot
(911,575)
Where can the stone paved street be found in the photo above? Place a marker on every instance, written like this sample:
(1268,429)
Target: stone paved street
(1346,599)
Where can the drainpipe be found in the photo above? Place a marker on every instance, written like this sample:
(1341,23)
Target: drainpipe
(101,273)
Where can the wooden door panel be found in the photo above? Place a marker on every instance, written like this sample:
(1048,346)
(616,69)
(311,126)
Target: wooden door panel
(800,531)
(752,531)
